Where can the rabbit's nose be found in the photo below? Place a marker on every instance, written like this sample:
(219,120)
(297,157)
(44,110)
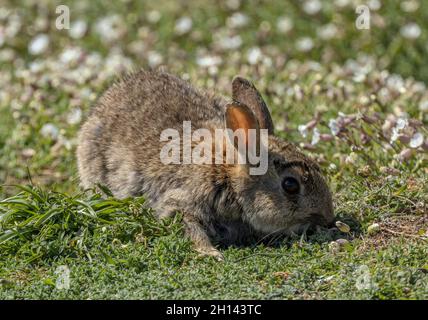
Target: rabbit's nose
(327,213)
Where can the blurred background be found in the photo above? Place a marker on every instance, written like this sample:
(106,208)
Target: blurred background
(306,57)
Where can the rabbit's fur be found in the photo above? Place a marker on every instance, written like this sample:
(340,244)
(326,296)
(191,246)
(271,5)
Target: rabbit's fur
(119,147)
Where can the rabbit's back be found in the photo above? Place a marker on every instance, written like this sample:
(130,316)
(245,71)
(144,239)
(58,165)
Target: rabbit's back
(119,145)
(157,100)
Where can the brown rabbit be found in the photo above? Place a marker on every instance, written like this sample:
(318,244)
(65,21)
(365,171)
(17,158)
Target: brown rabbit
(120,148)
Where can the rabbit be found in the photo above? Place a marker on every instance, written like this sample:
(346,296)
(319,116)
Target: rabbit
(119,147)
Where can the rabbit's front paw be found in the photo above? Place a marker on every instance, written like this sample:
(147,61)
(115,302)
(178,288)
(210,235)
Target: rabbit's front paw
(210,252)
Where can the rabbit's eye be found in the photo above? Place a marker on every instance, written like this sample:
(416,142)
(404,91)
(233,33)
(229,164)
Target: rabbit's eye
(290,185)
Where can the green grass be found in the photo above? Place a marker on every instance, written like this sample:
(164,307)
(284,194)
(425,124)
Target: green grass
(117,249)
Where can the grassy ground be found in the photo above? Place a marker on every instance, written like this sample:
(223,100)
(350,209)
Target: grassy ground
(355,100)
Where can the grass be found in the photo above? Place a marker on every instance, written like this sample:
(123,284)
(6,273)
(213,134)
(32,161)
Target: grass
(115,251)
(356,85)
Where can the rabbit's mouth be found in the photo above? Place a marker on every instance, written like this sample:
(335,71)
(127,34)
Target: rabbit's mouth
(316,220)
(311,225)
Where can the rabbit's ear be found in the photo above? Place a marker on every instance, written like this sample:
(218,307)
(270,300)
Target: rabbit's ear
(245,92)
(239,116)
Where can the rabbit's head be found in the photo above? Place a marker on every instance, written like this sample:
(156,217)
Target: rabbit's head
(292,194)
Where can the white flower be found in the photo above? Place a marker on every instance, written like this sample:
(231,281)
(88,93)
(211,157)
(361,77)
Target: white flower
(363,99)
(50,130)
(183,25)
(423,105)
(230,43)
(384,95)
(78,29)
(212,70)
(14,26)
(401,123)
(411,31)
(418,86)
(395,82)
(334,127)
(409,5)
(304,44)
(110,28)
(39,44)
(153,16)
(297,92)
(417,140)
(374,4)
(70,55)
(254,55)
(36,66)
(359,77)
(208,61)
(312,6)
(267,61)
(86,93)
(327,31)
(75,116)
(115,63)
(154,58)
(395,135)
(284,24)
(303,129)
(351,158)
(237,20)
(233,4)
(315,136)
